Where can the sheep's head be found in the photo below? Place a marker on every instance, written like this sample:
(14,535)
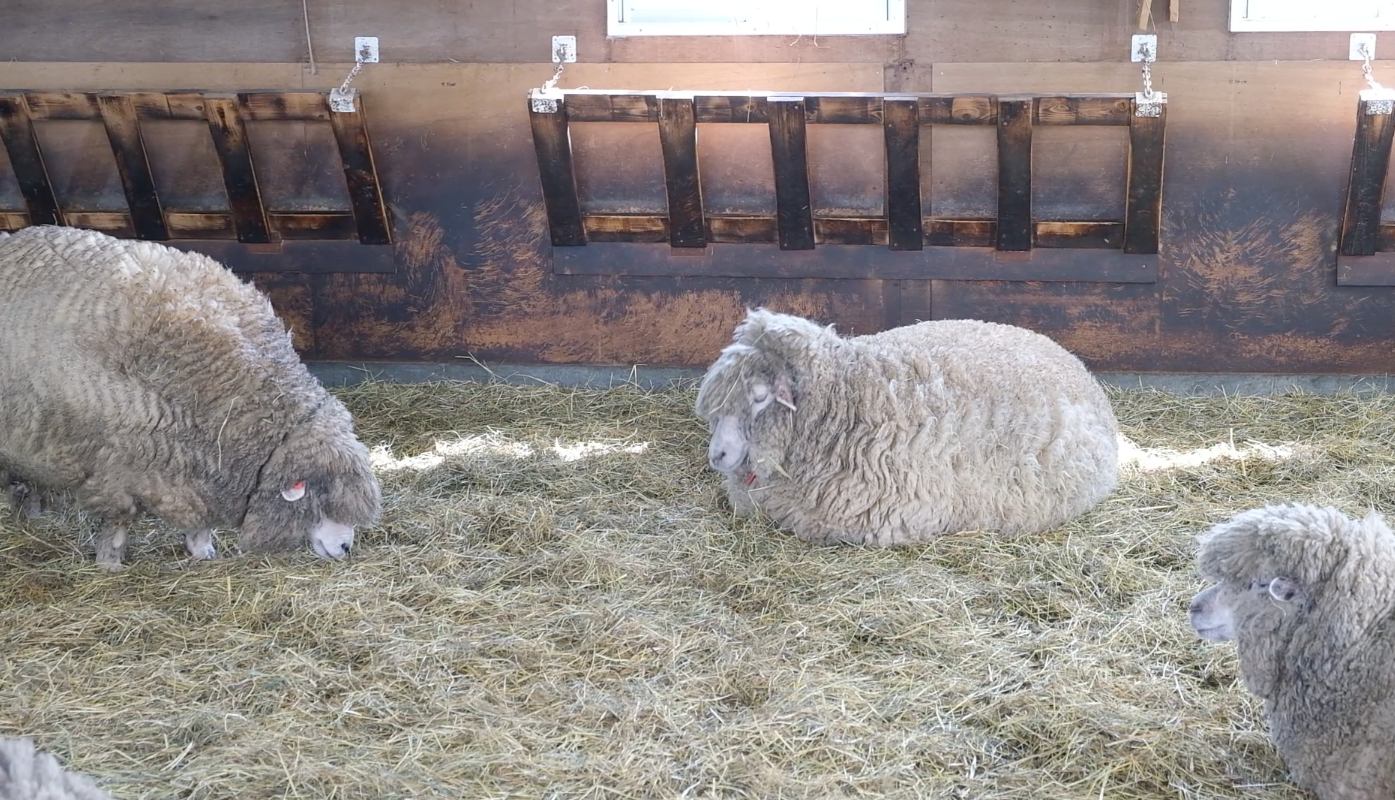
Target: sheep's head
(315,489)
(1273,569)
(751,393)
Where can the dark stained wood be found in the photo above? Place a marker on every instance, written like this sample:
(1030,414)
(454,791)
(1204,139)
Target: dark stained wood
(583,106)
(1370,160)
(115,222)
(1083,110)
(1143,192)
(742,229)
(626,228)
(731,108)
(960,232)
(63,105)
(850,262)
(843,109)
(554,150)
(217,225)
(850,230)
(311,258)
(286,106)
(959,110)
(1014,174)
(314,225)
(27,161)
(123,130)
(239,175)
(365,195)
(788,151)
(901,124)
(200,225)
(1101,235)
(678,140)
(1373,270)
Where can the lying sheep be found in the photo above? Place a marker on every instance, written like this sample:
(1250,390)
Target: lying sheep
(145,379)
(27,774)
(1308,596)
(905,435)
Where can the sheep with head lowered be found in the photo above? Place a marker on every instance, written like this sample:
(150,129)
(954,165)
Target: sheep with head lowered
(145,379)
(901,436)
(1308,596)
(28,774)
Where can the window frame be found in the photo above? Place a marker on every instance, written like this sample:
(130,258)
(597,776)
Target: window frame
(892,24)
(1299,23)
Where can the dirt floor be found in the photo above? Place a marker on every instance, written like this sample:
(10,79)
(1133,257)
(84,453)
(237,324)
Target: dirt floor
(558,604)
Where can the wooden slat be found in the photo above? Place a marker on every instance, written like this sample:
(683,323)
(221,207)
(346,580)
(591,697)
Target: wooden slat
(1370,160)
(787,149)
(850,230)
(960,232)
(200,225)
(1082,110)
(586,107)
(365,194)
(115,222)
(13,220)
(63,105)
(1143,193)
(851,262)
(27,161)
(731,108)
(839,110)
(287,106)
(314,225)
(678,140)
(963,110)
(325,226)
(1093,235)
(239,175)
(1014,174)
(123,130)
(626,228)
(901,125)
(743,229)
(554,149)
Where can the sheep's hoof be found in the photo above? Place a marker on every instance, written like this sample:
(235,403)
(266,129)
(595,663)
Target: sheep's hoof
(200,545)
(107,565)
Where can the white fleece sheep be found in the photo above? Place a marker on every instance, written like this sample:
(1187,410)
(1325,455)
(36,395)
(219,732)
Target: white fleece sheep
(145,379)
(908,434)
(1308,596)
(27,774)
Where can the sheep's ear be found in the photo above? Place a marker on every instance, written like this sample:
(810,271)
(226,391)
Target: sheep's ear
(784,391)
(1283,589)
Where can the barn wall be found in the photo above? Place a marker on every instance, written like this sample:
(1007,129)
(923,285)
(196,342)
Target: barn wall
(1259,141)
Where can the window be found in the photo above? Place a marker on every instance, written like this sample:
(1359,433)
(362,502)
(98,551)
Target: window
(754,17)
(1312,15)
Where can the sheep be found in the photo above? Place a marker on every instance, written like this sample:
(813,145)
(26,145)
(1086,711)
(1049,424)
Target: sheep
(27,774)
(142,379)
(1308,596)
(901,436)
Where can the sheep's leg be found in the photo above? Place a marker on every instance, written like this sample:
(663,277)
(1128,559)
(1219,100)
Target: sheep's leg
(111,546)
(26,500)
(199,543)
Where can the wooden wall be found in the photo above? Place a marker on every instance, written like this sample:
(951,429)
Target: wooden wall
(1258,148)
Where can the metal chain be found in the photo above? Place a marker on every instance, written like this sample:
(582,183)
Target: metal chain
(1366,68)
(556,76)
(344,87)
(1147,71)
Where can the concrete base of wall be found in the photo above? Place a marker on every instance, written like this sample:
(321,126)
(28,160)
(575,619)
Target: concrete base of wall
(340,373)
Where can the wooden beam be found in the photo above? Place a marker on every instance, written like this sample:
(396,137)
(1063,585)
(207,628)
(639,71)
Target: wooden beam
(27,161)
(678,140)
(901,125)
(128,147)
(1014,174)
(13,220)
(1143,190)
(1145,12)
(239,175)
(1370,160)
(361,174)
(794,209)
(554,148)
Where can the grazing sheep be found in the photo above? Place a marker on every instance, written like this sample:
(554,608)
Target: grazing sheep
(908,434)
(142,378)
(27,774)
(1308,596)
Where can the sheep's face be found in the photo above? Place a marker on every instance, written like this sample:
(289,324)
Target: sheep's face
(1220,613)
(745,398)
(314,492)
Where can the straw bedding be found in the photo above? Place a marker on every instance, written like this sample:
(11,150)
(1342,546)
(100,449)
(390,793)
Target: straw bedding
(558,605)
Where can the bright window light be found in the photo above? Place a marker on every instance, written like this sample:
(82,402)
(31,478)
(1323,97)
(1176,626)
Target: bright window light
(754,17)
(1312,15)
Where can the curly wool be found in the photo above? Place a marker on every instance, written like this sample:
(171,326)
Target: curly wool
(1325,666)
(27,774)
(143,378)
(905,435)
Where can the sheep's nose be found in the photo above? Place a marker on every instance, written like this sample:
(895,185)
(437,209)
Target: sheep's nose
(718,458)
(1196,607)
(345,548)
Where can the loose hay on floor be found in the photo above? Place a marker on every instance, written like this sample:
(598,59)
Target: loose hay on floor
(558,605)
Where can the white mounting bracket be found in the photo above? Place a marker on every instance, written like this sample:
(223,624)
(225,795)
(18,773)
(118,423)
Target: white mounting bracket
(564,49)
(1140,42)
(1358,41)
(366,49)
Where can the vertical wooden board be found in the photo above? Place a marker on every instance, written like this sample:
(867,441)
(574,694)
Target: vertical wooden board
(678,138)
(901,123)
(22,146)
(1014,174)
(239,176)
(127,146)
(788,145)
(554,149)
(365,193)
(1143,194)
(1370,160)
